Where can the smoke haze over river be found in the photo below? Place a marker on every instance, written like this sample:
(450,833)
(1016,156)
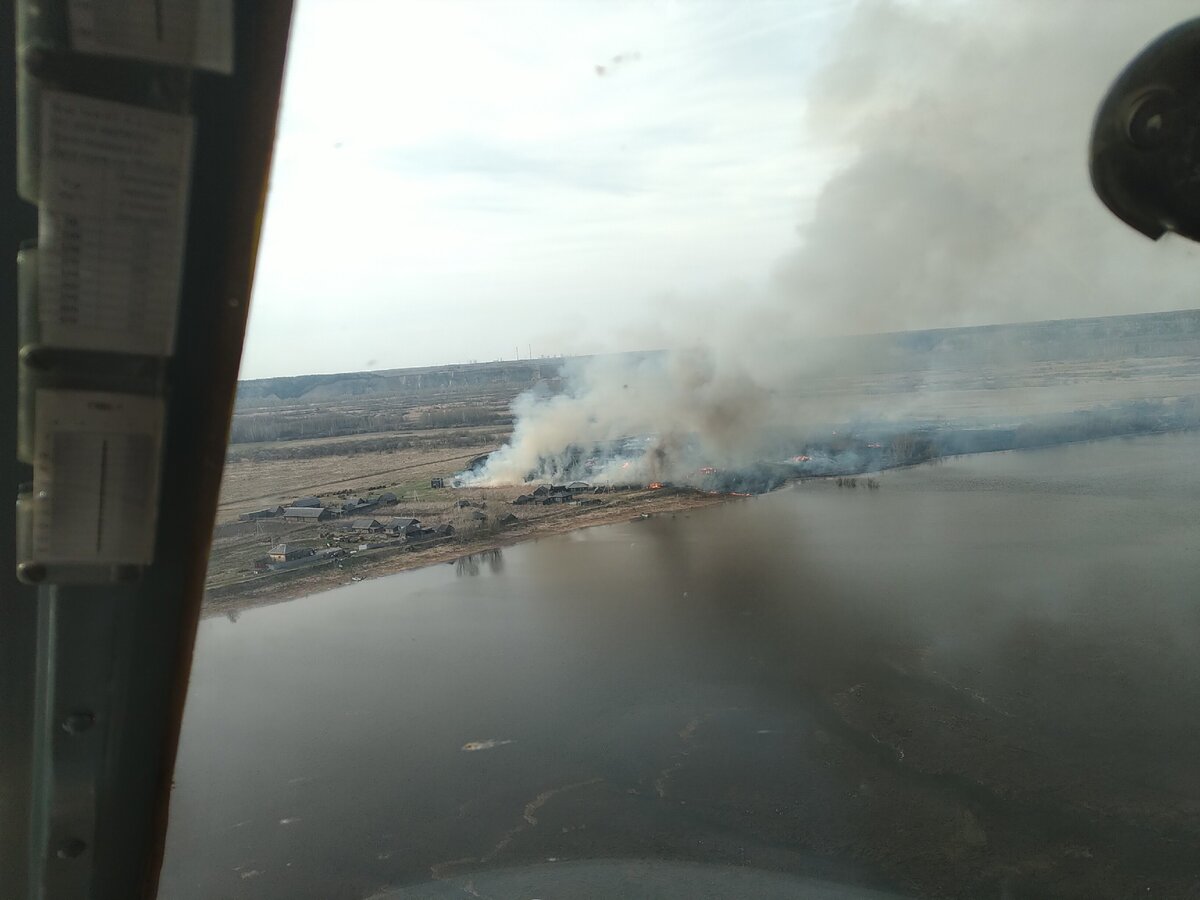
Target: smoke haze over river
(963,199)
(977,681)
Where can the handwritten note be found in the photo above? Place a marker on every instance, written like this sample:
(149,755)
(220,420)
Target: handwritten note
(190,33)
(95,477)
(112,219)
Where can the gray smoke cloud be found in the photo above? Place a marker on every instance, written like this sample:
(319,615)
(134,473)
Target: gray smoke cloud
(963,199)
(967,199)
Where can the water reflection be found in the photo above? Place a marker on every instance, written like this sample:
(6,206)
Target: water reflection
(470,565)
(975,681)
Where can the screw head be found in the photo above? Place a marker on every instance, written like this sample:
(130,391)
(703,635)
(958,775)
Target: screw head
(71,848)
(35,357)
(78,722)
(31,573)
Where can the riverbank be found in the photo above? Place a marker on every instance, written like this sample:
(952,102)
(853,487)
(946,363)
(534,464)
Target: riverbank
(276,587)
(234,585)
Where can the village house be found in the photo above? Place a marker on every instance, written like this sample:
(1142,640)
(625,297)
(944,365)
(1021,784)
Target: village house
(357,505)
(268,513)
(400,525)
(307,513)
(367,524)
(282,553)
(306,501)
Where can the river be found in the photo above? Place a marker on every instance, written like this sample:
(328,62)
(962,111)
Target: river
(980,679)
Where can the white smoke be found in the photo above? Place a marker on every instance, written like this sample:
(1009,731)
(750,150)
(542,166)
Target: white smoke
(964,200)
(669,400)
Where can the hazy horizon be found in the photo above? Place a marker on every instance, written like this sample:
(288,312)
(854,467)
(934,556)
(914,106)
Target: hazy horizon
(636,351)
(581,178)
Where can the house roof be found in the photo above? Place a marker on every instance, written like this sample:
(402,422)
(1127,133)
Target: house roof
(303,512)
(279,550)
(366,522)
(306,501)
(400,522)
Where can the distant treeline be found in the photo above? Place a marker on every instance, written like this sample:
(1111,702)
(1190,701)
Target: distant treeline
(459,416)
(295,425)
(266,426)
(1134,417)
(452,440)
(511,376)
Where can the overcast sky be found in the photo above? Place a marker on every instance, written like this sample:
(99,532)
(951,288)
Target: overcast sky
(476,180)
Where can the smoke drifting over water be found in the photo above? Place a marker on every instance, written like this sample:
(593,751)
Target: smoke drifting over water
(964,201)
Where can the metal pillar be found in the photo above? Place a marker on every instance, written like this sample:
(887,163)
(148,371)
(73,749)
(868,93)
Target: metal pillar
(94,677)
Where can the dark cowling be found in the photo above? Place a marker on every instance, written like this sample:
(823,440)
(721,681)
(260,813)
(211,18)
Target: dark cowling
(1145,148)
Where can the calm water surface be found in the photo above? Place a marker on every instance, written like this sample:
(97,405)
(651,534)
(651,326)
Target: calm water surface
(979,680)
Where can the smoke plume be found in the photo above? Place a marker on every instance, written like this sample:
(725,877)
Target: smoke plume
(963,200)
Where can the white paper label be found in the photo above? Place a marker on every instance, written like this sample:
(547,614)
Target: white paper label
(189,33)
(95,477)
(112,219)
